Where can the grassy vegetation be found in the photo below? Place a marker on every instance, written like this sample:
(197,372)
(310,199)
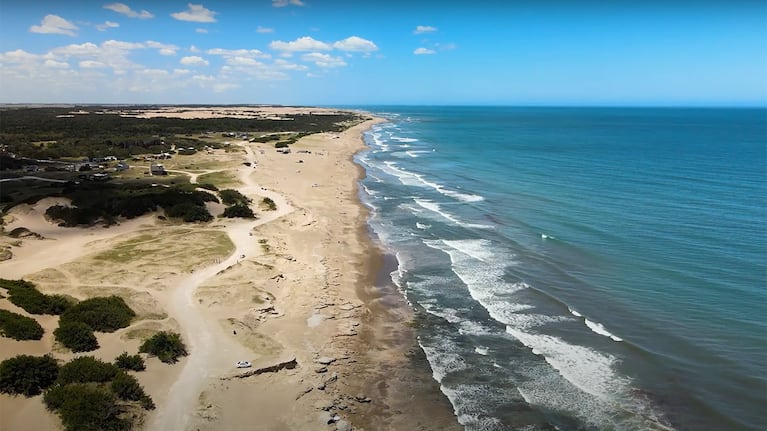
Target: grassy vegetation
(18,327)
(76,336)
(219,179)
(86,369)
(239,210)
(167,346)
(232,197)
(27,375)
(269,204)
(103,314)
(24,294)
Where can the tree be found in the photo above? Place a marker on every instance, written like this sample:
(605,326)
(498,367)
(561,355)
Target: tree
(86,369)
(86,408)
(239,210)
(167,346)
(103,314)
(27,375)
(76,336)
(18,327)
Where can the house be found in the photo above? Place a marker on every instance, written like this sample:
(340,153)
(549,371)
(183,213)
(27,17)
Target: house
(157,169)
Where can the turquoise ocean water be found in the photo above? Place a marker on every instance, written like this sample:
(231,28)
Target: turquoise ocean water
(596,269)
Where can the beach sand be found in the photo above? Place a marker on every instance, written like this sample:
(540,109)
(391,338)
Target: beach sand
(299,293)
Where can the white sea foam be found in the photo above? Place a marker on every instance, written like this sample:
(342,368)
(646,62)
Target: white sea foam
(588,370)
(574,313)
(418,180)
(484,351)
(544,236)
(398,139)
(436,208)
(443,359)
(368,191)
(422,226)
(432,307)
(600,329)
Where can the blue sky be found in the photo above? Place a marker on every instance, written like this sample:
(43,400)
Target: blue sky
(325,52)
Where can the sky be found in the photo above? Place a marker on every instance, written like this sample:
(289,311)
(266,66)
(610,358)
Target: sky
(393,52)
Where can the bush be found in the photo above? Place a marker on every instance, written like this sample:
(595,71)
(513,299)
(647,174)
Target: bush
(232,197)
(127,388)
(239,210)
(103,314)
(189,212)
(18,327)
(130,362)
(27,375)
(270,205)
(86,369)
(76,336)
(167,346)
(23,294)
(208,186)
(86,408)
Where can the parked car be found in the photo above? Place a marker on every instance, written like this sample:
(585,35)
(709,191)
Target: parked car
(244,364)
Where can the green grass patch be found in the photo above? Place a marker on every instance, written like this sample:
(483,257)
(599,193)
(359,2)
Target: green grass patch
(18,327)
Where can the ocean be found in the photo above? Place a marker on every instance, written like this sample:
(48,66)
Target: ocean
(580,268)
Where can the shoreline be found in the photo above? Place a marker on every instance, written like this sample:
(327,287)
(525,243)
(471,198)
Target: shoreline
(307,283)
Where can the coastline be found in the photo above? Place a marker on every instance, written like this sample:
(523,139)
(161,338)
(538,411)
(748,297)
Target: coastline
(305,284)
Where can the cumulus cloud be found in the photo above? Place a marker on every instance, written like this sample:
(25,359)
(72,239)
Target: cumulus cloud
(252,53)
(54,24)
(305,43)
(91,64)
(424,51)
(283,3)
(323,60)
(195,13)
(424,29)
(355,44)
(163,48)
(127,11)
(194,60)
(260,29)
(284,64)
(106,25)
(53,64)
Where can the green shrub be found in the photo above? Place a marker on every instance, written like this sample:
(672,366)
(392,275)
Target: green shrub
(103,314)
(127,388)
(27,375)
(76,336)
(270,205)
(283,144)
(239,210)
(231,197)
(23,294)
(86,408)
(167,346)
(130,362)
(189,212)
(208,186)
(86,369)
(18,327)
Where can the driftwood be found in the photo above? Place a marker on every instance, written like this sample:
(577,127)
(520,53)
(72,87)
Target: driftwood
(285,365)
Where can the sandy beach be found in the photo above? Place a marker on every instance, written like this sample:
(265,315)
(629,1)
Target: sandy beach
(298,292)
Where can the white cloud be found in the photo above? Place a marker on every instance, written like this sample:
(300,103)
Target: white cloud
(90,64)
(305,43)
(283,3)
(194,49)
(323,60)
(53,64)
(54,24)
(260,29)
(284,64)
(163,48)
(424,51)
(356,44)
(424,29)
(181,71)
(106,25)
(194,60)
(127,11)
(243,61)
(201,30)
(195,13)
(18,56)
(251,53)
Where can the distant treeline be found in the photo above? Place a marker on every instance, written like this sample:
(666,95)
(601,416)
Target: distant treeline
(38,133)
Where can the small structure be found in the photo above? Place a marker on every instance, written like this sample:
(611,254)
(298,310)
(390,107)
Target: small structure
(121,166)
(31,168)
(157,169)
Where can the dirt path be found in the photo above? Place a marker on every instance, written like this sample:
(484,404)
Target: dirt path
(212,352)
